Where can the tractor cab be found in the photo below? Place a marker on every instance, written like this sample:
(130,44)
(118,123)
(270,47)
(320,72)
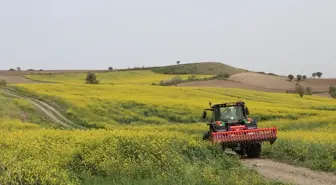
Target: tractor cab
(227,114)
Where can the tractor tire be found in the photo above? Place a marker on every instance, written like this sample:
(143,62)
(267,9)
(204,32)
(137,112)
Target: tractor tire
(206,136)
(254,150)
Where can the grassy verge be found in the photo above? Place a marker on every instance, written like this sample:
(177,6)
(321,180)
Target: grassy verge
(17,109)
(315,156)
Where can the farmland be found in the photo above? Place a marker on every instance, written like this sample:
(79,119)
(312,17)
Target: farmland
(32,154)
(133,126)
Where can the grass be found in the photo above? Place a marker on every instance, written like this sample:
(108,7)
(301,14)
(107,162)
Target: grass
(17,113)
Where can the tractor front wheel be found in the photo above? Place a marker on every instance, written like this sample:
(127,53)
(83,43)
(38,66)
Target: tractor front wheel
(206,136)
(254,150)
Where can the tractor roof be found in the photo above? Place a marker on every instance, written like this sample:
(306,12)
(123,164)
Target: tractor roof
(228,104)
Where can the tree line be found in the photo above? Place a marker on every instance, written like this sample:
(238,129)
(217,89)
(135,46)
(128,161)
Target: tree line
(304,77)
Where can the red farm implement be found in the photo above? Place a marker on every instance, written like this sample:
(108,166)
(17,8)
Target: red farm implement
(231,127)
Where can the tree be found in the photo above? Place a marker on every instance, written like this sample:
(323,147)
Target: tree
(91,78)
(18,68)
(110,68)
(290,77)
(332,91)
(304,77)
(178,62)
(298,77)
(314,75)
(11,69)
(299,89)
(319,74)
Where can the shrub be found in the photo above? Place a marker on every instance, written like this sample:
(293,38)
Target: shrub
(192,77)
(176,80)
(91,78)
(309,91)
(332,91)
(222,75)
(272,74)
(3,83)
(299,89)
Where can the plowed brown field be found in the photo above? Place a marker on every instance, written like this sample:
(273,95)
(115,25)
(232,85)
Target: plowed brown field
(267,83)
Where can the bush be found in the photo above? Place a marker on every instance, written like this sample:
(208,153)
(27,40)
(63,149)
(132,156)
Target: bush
(272,74)
(192,77)
(332,91)
(3,83)
(299,89)
(309,91)
(222,75)
(91,78)
(176,80)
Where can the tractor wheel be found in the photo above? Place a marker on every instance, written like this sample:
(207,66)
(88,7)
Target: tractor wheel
(254,150)
(206,136)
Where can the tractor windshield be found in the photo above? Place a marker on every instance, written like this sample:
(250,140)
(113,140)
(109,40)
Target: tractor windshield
(231,113)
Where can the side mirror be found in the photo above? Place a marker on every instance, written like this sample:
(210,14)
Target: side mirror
(247,111)
(204,114)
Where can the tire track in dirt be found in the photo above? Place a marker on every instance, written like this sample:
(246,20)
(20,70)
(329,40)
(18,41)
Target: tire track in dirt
(51,112)
(289,173)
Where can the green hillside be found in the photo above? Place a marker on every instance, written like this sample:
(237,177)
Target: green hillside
(210,68)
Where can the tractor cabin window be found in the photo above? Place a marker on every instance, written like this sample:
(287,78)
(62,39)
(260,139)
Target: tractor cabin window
(231,113)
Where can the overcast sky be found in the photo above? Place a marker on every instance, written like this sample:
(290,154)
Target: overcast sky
(287,36)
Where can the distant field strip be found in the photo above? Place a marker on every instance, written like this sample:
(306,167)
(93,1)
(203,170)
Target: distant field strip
(117,77)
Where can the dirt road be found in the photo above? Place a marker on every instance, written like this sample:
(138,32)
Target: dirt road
(52,113)
(288,173)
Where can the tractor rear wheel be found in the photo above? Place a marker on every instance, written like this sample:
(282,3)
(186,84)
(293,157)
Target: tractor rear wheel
(254,150)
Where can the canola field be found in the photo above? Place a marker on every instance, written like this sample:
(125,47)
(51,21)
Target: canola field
(117,77)
(153,134)
(143,154)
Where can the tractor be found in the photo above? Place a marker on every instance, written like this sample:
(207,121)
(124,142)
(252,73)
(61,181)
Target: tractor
(231,126)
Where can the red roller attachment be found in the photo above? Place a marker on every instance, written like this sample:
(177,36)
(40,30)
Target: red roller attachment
(244,136)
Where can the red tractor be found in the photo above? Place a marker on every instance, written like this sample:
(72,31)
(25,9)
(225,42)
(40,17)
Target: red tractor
(231,126)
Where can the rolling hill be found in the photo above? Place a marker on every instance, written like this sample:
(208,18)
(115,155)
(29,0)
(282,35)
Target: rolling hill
(210,68)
